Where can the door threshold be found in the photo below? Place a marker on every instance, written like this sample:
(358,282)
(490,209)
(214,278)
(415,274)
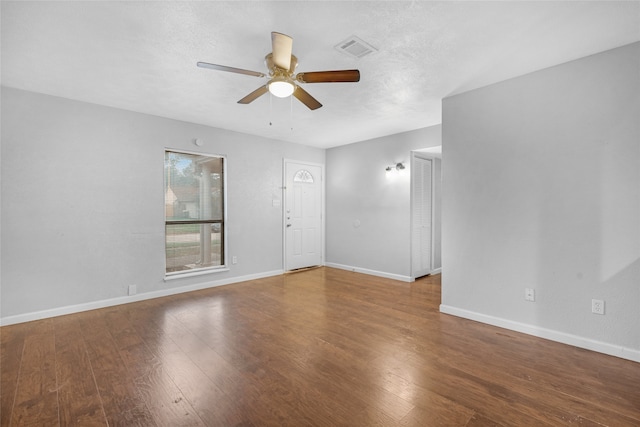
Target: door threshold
(298,270)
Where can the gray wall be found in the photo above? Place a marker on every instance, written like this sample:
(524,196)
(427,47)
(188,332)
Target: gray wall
(82,201)
(368,213)
(542,190)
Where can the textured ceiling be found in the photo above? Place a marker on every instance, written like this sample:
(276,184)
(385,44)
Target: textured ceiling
(142,56)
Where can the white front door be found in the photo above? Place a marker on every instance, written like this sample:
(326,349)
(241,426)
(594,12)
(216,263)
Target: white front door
(303,215)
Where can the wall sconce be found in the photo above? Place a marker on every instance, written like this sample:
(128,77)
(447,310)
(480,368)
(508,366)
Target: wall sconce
(397,166)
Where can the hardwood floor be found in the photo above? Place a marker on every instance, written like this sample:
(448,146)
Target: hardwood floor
(323,347)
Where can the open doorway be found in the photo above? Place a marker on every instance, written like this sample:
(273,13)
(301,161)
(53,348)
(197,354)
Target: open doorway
(426,211)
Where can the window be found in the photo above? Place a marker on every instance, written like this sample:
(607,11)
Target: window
(194,188)
(303,176)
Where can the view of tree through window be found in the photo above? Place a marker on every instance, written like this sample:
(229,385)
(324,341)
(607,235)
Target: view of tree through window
(194,211)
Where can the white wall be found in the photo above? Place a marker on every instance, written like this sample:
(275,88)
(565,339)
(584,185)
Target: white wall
(82,203)
(368,212)
(541,179)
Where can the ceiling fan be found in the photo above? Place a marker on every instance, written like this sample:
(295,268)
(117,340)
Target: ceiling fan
(282,82)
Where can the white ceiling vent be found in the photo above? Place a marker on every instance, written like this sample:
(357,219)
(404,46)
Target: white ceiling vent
(355,47)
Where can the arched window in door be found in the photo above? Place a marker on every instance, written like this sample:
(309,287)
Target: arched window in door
(303,176)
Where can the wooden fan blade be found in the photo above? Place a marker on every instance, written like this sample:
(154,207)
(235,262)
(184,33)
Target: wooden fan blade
(254,95)
(229,69)
(281,47)
(351,76)
(306,99)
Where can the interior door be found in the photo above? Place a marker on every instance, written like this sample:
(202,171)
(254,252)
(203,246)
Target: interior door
(303,215)
(421,216)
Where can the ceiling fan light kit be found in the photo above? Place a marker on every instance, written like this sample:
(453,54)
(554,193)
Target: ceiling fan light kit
(282,82)
(281,87)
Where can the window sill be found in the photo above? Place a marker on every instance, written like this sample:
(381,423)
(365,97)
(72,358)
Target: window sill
(195,273)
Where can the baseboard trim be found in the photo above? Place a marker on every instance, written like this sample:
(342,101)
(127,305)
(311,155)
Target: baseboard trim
(71,309)
(371,272)
(550,334)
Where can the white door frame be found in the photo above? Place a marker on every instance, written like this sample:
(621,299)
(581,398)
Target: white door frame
(284,209)
(424,156)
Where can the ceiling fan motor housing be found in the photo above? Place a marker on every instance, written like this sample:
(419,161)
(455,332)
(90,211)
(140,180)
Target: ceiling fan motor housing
(282,83)
(273,68)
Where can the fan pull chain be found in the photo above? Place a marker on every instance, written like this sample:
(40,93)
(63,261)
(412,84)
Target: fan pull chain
(291,112)
(270,108)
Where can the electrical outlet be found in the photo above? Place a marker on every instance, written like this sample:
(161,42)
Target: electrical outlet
(597,306)
(234,259)
(530,294)
(133,289)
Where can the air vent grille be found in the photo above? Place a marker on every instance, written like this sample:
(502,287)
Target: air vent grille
(355,47)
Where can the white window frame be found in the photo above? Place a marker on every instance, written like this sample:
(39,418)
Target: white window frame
(204,270)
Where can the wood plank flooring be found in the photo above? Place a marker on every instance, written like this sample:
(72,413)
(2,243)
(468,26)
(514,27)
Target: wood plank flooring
(323,347)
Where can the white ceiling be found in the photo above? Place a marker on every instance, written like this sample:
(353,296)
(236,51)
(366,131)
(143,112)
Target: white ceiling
(142,56)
